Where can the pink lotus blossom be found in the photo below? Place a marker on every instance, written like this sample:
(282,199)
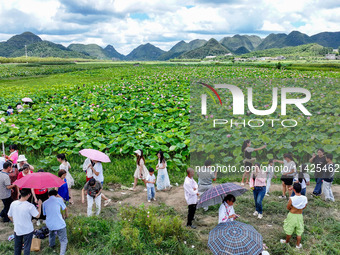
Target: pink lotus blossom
(228,135)
(64,110)
(153,103)
(65,97)
(3,119)
(12,125)
(51,109)
(91,110)
(104,110)
(38,119)
(97,105)
(47,102)
(308,118)
(76,103)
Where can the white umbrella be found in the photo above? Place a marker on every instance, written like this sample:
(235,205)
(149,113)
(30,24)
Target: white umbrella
(27,100)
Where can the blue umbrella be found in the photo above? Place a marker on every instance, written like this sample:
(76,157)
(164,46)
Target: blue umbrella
(234,237)
(216,194)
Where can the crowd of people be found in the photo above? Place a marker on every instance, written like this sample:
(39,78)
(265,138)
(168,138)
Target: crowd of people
(50,206)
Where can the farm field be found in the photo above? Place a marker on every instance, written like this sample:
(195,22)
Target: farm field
(118,108)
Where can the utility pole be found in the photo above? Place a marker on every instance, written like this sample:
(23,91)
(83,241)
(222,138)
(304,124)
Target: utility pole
(26,51)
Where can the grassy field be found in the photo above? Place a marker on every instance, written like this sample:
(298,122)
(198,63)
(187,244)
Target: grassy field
(163,232)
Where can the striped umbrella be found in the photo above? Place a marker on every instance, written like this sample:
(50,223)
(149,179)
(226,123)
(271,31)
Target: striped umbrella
(234,237)
(215,195)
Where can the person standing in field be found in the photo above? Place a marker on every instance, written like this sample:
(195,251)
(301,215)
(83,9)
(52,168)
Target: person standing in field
(150,184)
(22,160)
(294,220)
(97,172)
(248,160)
(87,169)
(26,171)
(258,185)
(191,193)
(163,181)
(54,208)
(303,178)
(319,162)
(288,173)
(93,189)
(205,178)
(5,190)
(41,194)
(328,178)
(65,165)
(141,172)
(13,175)
(13,149)
(21,213)
(63,189)
(270,175)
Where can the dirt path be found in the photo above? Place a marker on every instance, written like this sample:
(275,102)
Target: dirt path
(173,198)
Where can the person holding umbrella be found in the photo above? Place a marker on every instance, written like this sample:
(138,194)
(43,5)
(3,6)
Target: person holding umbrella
(95,165)
(258,185)
(22,160)
(191,193)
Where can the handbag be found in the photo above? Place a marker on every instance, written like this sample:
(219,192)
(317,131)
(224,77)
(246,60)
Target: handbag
(36,244)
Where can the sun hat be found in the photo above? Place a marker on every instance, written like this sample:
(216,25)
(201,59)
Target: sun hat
(21,158)
(138,152)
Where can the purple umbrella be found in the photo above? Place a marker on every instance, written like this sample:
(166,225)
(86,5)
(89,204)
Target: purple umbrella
(215,195)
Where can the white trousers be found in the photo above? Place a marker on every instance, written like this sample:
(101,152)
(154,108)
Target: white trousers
(97,200)
(327,190)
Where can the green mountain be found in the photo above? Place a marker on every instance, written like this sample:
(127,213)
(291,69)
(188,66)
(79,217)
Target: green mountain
(145,52)
(241,50)
(272,41)
(327,39)
(182,47)
(305,50)
(237,41)
(48,49)
(111,52)
(295,38)
(254,39)
(210,48)
(17,42)
(92,50)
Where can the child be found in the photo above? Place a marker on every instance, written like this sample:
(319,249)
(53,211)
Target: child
(294,219)
(150,184)
(303,178)
(63,189)
(270,175)
(94,189)
(226,212)
(329,176)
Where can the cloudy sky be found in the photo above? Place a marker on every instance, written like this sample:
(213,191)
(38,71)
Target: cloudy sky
(125,24)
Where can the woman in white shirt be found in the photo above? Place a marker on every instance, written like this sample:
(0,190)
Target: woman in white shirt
(288,173)
(226,212)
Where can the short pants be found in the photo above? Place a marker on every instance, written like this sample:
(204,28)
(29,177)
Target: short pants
(293,222)
(287,180)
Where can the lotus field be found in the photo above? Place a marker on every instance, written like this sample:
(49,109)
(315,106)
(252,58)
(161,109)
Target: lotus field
(120,108)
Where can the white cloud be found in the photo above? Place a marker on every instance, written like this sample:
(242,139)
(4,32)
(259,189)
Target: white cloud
(110,21)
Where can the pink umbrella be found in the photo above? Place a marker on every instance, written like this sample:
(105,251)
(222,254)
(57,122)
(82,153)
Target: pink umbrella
(27,100)
(41,180)
(95,155)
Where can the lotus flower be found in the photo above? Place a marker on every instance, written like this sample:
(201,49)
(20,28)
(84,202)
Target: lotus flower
(38,119)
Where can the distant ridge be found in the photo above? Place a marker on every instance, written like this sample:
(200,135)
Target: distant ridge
(237,45)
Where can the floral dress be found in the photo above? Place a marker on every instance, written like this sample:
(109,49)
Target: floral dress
(163,180)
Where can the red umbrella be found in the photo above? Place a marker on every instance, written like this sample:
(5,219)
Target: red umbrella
(41,180)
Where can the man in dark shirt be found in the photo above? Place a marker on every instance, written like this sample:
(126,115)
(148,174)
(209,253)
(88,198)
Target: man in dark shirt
(6,190)
(319,162)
